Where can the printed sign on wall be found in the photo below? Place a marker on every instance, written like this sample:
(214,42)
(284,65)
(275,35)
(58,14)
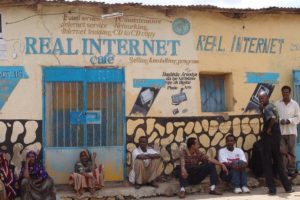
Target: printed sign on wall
(9,78)
(254,101)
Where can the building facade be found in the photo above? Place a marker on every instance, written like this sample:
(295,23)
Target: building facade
(80,75)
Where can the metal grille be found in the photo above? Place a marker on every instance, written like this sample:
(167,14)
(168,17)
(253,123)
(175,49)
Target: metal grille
(63,98)
(106,97)
(212,93)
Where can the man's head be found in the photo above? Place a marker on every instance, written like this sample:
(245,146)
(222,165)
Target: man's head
(143,143)
(286,93)
(230,142)
(192,143)
(263,98)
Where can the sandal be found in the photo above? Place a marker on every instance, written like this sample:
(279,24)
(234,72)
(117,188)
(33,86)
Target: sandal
(92,191)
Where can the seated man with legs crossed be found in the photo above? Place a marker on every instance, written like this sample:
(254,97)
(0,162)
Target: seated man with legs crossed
(235,160)
(195,166)
(146,163)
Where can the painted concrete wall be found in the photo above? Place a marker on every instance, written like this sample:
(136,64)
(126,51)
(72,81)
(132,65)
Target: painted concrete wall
(168,135)
(165,46)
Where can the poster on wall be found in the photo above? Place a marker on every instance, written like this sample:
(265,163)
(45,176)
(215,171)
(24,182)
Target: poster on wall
(3,49)
(144,100)
(9,78)
(253,104)
(177,86)
(179,83)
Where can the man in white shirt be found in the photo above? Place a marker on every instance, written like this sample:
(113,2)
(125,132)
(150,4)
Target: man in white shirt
(289,117)
(146,163)
(235,161)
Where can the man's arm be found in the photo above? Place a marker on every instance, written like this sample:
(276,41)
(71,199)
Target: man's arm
(244,163)
(271,117)
(155,156)
(296,118)
(184,173)
(151,154)
(273,120)
(214,161)
(222,158)
(143,156)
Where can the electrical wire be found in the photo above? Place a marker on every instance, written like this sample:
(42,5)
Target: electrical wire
(80,13)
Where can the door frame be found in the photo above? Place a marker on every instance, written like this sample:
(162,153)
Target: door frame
(67,78)
(296,81)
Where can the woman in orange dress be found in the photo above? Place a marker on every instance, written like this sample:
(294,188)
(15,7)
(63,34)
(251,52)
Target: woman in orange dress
(86,175)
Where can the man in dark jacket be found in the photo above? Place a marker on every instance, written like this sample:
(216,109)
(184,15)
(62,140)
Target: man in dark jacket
(270,137)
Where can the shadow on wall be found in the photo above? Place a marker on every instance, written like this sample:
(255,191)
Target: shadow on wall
(168,135)
(17,137)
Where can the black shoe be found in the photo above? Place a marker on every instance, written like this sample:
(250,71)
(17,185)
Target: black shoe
(290,190)
(271,193)
(292,176)
(215,192)
(137,186)
(153,184)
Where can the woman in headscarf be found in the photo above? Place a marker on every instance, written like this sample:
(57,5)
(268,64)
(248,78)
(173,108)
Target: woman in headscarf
(86,175)
(35,181)
(7,178)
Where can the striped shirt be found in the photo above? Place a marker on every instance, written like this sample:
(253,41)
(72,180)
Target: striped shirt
(192,159)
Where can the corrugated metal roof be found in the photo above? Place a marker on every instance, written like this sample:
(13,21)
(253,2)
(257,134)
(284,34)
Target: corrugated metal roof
(193,7)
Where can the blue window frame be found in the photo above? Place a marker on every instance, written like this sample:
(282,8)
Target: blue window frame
(296,92)
(1,26)
(212,89)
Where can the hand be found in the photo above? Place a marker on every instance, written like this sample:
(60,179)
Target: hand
(261,107)
(94,155)
(289,158)
(184,173)
(143,157)
(36,181)
(269,131)
(282,121)
(244,165)
(27,161)
(224,168)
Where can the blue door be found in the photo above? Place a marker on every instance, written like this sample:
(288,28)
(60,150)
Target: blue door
(83,108)
(296,78)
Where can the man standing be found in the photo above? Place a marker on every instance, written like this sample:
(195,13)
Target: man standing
(145,165)
(270,137)
(289,117)
(235,161)
(192,172)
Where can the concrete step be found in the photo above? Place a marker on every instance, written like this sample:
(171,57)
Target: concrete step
(124,190)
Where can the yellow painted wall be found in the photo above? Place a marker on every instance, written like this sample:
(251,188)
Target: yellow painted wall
(46,21)
(50,20)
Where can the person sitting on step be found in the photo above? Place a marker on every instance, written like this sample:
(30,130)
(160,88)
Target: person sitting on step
(195,166)
(236,162)
(146,165)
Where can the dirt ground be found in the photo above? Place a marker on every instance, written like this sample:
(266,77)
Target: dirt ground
(256,194)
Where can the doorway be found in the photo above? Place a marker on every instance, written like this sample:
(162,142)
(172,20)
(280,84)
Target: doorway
(83,108)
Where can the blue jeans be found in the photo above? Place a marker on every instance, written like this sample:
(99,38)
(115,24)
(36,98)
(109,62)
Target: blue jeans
(237,178)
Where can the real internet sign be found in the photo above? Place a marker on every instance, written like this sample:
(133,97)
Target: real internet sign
(104,47)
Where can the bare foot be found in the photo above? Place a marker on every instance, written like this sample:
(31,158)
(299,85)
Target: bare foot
(78,193)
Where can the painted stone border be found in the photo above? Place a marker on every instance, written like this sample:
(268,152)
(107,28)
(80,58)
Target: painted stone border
(168,135)
(17,137)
